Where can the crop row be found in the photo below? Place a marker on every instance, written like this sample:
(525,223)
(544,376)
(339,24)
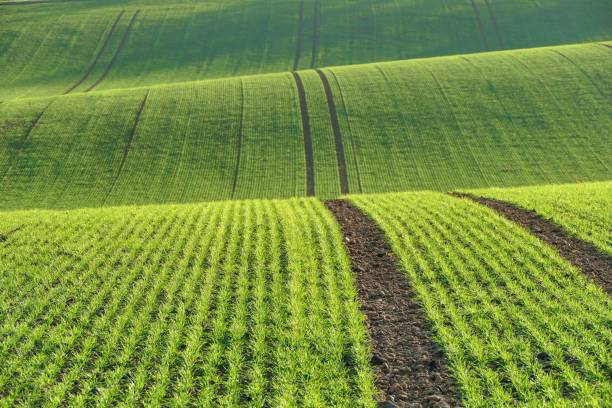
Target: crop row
(243,303)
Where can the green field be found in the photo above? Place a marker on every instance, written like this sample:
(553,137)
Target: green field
(582,209)
(164,236)
(229,303)
(497,119)
(46,49)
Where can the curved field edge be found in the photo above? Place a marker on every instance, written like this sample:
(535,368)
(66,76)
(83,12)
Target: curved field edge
(582,209)
(511,118)
(518,324)
(222,303)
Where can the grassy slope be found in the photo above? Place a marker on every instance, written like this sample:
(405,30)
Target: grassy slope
(499,119)
(209,304)
(518,323)
(45,49)
(582,209)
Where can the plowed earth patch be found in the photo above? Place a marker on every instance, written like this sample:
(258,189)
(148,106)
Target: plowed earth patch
(592,262)
(410,367)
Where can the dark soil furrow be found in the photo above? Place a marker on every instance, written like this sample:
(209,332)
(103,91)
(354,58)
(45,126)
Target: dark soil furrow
(98,55)
(315,33)
(128,145)
(410,367)
(500,41)
(310,183)
(592,262)
(480,26)
(298,38)
(239,141)
(117,52)
(340,158)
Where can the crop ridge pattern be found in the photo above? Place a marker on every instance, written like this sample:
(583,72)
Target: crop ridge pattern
(310,182)
(298,37)
(500,40)
(128,145)
(591,261)
(239,141)
(485,43)
(401,336)
(25,139)
(98,55)
(340,158)
(579,68)
(315,33)
(126,34)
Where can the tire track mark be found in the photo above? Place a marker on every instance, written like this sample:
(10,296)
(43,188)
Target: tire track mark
(239,141)
(410,367)
(25,139)
(128,145)
(298,39)
(605,45)
(586,74)
(591,261)
(315,33)
(480,26)
(310,182)
(340,158)
(117,52)
(4,236)
(500,41)
(97,57)
(350,133)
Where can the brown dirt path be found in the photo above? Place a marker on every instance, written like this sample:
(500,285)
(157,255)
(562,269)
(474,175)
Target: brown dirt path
(98,55)
(410,367)
(333,114)
(310,182)
(592,262)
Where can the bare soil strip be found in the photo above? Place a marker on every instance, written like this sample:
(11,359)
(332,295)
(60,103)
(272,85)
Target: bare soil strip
(239,142)
(298,38)
(410,367)
(98,55)
(315,33)
(592,262)
(331,105)
(500,41)
(310,184)
(480,27)
(126,150)
(117,52)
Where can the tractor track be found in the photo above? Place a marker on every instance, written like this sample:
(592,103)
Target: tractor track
(411,369)
(97,58)
(500,40)
(593,263)
(298,38)
(310,182)
(239,141)
(315,33)
(480,26)
(340,157)
(117,52)
(128,145)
